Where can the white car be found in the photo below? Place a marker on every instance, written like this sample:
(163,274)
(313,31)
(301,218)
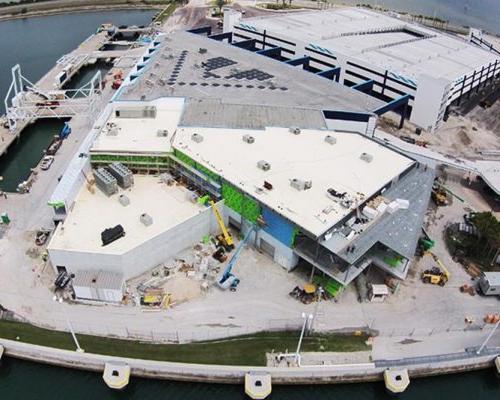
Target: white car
(46,162)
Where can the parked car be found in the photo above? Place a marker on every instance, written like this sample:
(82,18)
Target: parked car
(46,162)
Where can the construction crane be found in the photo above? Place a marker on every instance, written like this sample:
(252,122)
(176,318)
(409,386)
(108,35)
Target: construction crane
(227,278)
(225,237)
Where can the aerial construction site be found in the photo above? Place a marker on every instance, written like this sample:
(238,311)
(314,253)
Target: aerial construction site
(261,172)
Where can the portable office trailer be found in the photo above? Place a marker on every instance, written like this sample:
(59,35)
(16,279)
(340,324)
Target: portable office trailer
(489,283)
(99,286)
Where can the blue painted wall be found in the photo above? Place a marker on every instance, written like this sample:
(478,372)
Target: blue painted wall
(278,227)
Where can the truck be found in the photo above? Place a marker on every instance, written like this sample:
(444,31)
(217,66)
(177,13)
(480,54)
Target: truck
(489,283)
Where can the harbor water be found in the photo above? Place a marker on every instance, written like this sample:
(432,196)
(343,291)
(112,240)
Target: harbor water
(47,382)
(483,14)
(36,44)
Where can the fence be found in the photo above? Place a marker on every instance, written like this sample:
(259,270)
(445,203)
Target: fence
(207,332)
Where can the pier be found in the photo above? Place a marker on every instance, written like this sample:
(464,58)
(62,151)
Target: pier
(27,102)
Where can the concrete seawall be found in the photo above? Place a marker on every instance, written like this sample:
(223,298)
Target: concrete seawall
(321,374)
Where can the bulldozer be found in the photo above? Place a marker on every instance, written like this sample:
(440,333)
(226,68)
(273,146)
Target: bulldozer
(436,275)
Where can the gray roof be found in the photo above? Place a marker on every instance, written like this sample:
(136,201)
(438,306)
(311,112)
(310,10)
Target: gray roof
(98,279)
(179,69)
(399,231)
(216,114)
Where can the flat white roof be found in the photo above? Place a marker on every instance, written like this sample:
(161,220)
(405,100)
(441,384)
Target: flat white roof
(140,135)
(352,32)
(304,156)
(92,213)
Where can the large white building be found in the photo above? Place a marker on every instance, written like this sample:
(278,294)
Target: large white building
(395,57)
(258,137)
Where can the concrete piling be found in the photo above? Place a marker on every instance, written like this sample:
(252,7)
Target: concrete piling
(396,380)
(258,385)
(116,375)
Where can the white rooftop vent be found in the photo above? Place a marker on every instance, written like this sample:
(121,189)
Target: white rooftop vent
(300,184)
(124,200)
(197,138)
(330,139)
(146,219)
(295,130)
(263,165)
(366,157)
(162,133)
(248,139)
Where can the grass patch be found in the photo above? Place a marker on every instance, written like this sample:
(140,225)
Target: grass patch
(166,12)
(240,350)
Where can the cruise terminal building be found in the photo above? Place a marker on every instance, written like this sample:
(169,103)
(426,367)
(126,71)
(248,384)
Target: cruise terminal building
(276,147)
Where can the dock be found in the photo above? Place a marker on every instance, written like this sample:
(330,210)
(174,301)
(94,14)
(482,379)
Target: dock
(63,71)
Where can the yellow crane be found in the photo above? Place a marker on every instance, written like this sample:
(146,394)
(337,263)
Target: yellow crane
(225,237)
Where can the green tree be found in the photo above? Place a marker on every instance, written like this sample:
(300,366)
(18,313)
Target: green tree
(220,4)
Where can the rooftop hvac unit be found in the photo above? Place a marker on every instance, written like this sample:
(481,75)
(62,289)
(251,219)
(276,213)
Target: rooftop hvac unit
(124,200)
(366,157)
(122,174)
(109,235)
(295,130)
(136,112)
(105,181)
(263,165)
(197,138)
(146,219)
(330,139)
(300,184)
(248,139)
(162,133)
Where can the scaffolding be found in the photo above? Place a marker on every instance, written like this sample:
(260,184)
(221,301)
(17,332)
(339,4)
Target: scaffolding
(26,102)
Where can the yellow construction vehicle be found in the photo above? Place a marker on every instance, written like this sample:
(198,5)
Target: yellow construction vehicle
(225,237)
(436,275)
(439,196)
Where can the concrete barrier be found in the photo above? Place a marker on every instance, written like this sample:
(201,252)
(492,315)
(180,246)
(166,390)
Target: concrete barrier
(320,374)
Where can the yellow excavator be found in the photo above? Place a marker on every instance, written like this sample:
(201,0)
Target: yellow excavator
(436,275)
(225,238)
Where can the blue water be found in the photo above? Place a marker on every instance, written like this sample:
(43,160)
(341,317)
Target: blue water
(28,381)
(37,43)
(484,14)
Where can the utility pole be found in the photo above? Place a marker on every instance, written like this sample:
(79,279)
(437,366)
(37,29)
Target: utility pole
(306,317)
(78,348)
(320,295)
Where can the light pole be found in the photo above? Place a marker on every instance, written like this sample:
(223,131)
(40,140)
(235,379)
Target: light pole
(78,348)
(488,338)
(306,317)
(320,295)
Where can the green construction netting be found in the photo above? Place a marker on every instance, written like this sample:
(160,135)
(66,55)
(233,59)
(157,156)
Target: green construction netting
(237,201)
(137,160)
(189,161)
(330,286)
